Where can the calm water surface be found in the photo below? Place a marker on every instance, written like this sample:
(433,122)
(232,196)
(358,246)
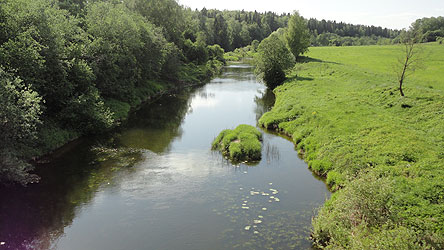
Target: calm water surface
(155,184)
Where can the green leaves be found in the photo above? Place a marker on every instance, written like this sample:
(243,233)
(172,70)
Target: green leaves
(297,35)
(19,117)
(273,59)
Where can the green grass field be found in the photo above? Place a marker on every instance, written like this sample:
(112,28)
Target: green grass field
(383,153)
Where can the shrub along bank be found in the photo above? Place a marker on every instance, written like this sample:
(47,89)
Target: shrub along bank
(382,154)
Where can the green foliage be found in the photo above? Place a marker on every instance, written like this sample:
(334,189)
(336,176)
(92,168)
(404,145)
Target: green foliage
(167,14)
(119,109)
(19,117)
(241,53)
(87,113)
(431,27)
(272,60)
(383,152)
(241,144)
(39,45)
(332,33)
(297,35)
(332,39)
(118,45)
(221,32)
(195,52)
(75,7)
(52,136)
(215,52)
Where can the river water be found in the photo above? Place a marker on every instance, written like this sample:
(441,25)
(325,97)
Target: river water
(156,184)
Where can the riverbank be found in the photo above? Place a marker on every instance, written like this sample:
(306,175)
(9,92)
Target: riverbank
(382,153)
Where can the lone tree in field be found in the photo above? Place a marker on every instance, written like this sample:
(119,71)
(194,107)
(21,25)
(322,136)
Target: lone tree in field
(410,59)
(297,35)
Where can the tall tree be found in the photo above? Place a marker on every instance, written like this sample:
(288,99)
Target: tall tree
(297,35)
(221,32)
(273,59)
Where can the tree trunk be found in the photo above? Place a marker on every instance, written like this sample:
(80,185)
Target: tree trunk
(401,78)
(400,88)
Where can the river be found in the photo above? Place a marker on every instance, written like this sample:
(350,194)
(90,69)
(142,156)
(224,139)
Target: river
(156,184)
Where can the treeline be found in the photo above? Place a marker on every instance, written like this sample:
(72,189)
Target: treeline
(346,29)
(235,29)
(75,67)
(332,33)
(432,28)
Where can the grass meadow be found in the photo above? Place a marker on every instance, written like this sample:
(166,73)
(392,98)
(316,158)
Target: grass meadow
(381,153)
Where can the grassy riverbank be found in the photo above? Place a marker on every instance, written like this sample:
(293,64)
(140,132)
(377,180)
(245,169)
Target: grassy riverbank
(382,152)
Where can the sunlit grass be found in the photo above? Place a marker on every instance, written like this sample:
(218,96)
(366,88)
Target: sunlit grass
(343,109)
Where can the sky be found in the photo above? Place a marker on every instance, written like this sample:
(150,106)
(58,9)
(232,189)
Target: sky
(395,14)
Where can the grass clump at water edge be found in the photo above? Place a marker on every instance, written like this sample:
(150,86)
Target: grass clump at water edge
(240,144)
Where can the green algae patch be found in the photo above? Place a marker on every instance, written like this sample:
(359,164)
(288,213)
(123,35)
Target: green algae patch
(240,144)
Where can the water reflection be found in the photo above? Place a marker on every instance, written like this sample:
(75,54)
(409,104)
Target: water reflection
(35,217)
(155,125)
(264,102)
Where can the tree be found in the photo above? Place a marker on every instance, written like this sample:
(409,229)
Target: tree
(411,59)
(221,32)
(19,117)
(273,59)
(167,14)
(297,35)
